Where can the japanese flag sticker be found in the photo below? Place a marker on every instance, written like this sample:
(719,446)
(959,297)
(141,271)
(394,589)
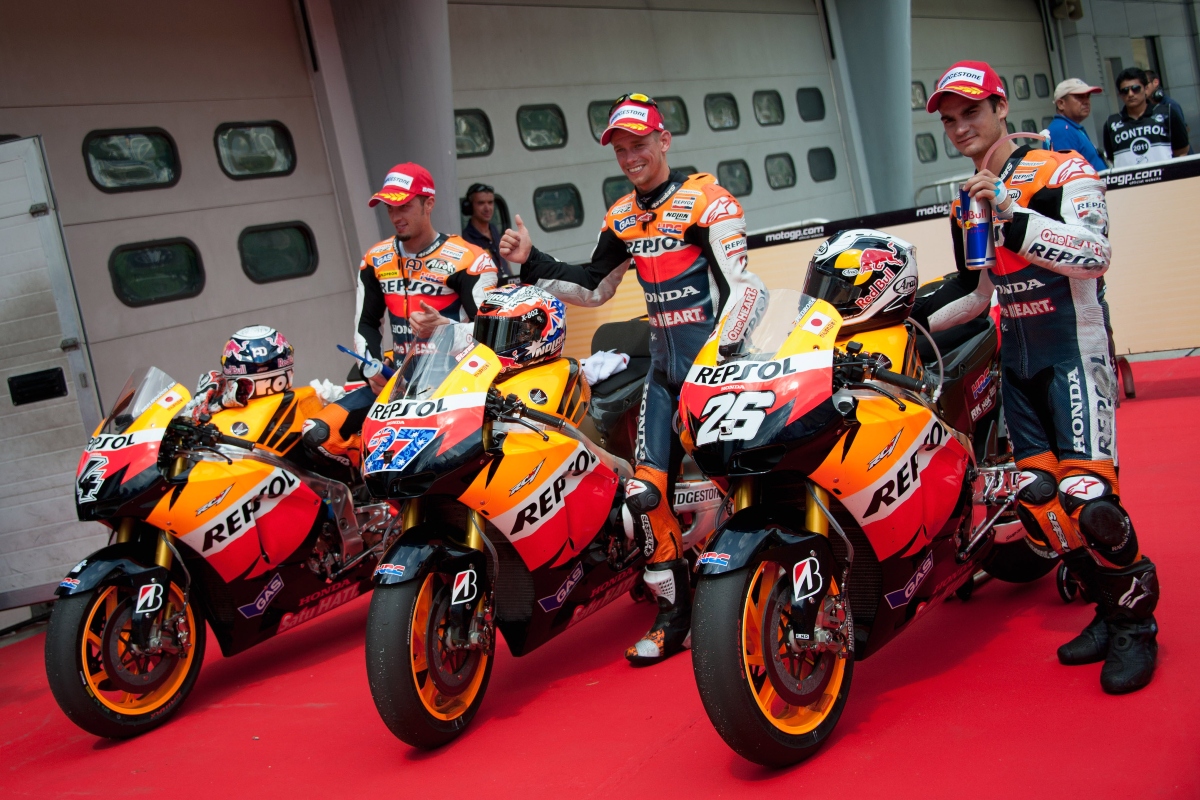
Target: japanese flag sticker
(169,399)
(473,365)
(817,323)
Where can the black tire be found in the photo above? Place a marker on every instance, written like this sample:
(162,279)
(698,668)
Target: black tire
(393,677)
(1017,562)
(73,679)
(722,678)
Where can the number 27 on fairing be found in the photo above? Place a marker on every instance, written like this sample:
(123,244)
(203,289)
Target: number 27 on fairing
(733,416)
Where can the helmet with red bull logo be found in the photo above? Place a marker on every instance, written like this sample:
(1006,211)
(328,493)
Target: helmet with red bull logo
(869,276)
(261,354)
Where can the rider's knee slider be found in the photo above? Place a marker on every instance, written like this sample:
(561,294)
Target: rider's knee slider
(1035,487)
(641,496)
(316,433)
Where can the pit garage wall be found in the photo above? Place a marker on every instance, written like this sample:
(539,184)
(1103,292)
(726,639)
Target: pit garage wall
(1135,300)
(185,69)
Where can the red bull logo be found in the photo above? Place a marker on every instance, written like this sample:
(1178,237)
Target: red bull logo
(873,258)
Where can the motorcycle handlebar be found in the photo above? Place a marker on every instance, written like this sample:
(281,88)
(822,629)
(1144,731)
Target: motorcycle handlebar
(246,444)
(903,381)
(542,417)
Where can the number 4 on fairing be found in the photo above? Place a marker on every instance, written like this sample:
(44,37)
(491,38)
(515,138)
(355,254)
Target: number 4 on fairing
(734,416)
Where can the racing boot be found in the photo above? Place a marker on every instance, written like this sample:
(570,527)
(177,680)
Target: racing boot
(1091,645)
(668,583)
(1128,597)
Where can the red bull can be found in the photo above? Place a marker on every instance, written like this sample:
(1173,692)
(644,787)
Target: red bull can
(976,219)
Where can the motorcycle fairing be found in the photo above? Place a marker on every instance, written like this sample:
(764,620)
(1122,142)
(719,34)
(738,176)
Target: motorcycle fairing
(242,518)
(901,477)
(274,421)
(116,467)
(549,498)
(746,403)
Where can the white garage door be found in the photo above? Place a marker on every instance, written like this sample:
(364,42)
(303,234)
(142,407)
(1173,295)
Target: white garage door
(47,392)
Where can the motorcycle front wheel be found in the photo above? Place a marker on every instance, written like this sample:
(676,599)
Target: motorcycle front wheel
(426,691)
(100,680)
(772,705)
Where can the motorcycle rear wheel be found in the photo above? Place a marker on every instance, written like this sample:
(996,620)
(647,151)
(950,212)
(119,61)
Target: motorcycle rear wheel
(425,693)
(772,707)
(89,637)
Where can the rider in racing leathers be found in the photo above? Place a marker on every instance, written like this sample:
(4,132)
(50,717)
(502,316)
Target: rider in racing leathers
(1059,388)
(686,237)
(422,279)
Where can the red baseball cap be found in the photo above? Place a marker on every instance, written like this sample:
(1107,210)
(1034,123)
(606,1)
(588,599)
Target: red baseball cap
(403,183)
(973,80)
(635,113)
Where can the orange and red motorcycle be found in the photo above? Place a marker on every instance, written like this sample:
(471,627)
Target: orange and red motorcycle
(858,482)
(512,520)
(223,523)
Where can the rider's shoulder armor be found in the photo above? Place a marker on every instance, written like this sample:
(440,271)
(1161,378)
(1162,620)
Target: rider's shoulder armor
(1047,169)
(460,254)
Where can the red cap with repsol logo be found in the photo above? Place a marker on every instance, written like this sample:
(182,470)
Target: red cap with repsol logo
(403,183)
(973,80)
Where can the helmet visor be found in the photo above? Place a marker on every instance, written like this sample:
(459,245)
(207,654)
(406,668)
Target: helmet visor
(503,334)
(834,289)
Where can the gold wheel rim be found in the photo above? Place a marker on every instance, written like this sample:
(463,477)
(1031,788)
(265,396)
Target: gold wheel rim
(436,704)
(94,674)
(791,719)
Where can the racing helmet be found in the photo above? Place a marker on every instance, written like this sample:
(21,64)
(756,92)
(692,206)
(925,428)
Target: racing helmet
(522,324)
(869,276)
(261,354)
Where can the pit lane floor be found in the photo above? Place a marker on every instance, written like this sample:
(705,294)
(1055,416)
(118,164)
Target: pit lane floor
(970,702)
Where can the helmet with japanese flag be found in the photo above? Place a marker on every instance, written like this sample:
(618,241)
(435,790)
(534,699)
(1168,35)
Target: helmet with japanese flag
(869,276)
(522,324)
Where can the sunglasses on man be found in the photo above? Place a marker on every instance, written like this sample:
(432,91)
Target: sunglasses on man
(1132,88)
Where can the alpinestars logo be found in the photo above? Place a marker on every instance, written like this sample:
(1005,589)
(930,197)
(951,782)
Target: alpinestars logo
(1139,590)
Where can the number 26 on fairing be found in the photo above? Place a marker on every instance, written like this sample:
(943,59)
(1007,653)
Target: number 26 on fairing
(733,416)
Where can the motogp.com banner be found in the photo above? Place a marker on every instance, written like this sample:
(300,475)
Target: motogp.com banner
(1130,176)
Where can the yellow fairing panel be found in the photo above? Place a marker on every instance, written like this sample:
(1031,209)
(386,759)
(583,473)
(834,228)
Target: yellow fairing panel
(273,422)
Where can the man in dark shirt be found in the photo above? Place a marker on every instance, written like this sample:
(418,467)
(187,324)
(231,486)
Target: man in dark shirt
(1143,132)
(1156,94)
(480,206)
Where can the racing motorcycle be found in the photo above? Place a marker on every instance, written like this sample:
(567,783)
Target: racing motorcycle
(864,490)
(512,520)
(222,522)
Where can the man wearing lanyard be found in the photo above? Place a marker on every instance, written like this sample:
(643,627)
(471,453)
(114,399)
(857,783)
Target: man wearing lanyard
(1059,389)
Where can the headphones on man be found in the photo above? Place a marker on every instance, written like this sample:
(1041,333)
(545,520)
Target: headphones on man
(465,205)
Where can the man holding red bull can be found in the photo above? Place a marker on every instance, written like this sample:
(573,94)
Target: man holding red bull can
(1048,224)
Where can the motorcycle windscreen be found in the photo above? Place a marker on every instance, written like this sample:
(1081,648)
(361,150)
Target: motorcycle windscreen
(429,416)
(781,371)
(121,458)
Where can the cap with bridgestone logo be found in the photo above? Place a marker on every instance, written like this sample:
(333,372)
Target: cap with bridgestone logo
(973,80)
(403,183)
(1073,86)
(637,118)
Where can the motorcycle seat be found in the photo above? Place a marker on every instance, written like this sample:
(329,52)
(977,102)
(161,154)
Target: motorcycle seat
(631,337)
(951,340)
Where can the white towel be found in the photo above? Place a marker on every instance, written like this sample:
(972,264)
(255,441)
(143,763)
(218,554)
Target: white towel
(328,392)
(602,365)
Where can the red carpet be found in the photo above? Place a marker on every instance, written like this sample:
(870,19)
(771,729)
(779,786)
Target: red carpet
(971,702)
